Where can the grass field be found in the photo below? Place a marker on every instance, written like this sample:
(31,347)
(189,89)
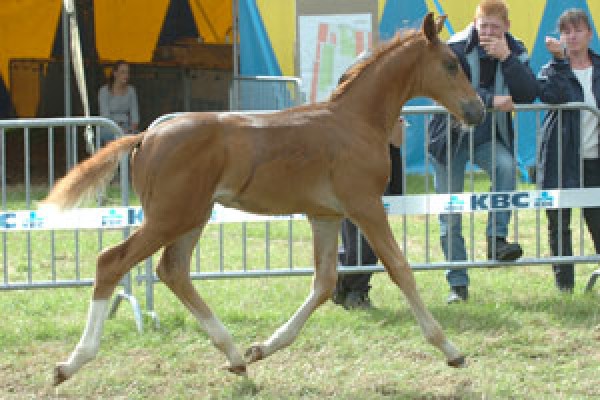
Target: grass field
(523,338)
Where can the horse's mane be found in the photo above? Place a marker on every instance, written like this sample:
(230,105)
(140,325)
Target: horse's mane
(399,39)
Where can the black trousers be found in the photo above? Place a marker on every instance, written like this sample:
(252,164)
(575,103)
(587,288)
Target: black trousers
(349,256)
(564,274)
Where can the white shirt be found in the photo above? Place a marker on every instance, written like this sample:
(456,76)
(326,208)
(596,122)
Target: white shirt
(589,122)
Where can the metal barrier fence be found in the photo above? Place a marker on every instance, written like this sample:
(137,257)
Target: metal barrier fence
(67,258)
(237,245)
(264,93)
(281,239)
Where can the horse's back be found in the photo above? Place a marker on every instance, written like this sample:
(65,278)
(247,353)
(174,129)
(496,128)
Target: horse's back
(279,163)
(270,163)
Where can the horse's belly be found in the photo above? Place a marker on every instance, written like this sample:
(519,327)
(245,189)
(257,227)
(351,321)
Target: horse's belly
(274,202)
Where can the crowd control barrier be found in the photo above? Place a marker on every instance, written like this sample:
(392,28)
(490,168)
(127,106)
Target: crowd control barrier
(241,245)
(264,93)
(37,253)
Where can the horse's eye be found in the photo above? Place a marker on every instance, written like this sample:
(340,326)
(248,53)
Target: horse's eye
(451,66)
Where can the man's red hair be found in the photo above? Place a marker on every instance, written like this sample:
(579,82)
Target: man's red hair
(495,8)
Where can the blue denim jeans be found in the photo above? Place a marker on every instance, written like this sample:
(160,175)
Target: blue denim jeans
(453,181)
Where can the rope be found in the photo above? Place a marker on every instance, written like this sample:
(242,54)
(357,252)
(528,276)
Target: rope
(77,61)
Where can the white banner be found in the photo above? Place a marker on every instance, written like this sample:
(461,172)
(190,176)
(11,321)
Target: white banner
(121,217)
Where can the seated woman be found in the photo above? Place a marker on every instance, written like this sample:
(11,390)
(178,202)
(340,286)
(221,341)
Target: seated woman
(117,101)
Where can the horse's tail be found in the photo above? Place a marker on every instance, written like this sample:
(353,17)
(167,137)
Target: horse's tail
(90,175)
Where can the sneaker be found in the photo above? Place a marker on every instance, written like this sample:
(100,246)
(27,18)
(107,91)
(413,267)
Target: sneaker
(357,300)
(504,251)
(457,294)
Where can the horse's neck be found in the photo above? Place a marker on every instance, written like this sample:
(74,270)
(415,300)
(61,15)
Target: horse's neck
(380,91)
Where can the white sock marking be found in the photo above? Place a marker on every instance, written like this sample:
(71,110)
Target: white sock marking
(88,345)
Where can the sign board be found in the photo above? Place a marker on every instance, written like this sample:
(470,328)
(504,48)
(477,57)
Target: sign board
(330,35)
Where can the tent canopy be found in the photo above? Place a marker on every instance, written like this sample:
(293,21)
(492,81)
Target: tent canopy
(129,30)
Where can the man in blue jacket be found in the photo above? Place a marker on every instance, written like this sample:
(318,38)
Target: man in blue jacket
(498,68)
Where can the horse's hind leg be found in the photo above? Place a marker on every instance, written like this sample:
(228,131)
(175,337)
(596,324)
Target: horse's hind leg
(374,224)
(174,271)
(325,235)
(112,264)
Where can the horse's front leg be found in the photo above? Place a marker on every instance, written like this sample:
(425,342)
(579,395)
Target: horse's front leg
(325,236)
(372,220)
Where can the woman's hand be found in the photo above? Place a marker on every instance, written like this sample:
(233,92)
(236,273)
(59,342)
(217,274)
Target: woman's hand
(555,47)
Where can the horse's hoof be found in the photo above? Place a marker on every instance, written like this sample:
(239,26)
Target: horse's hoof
(459,362)
(237,369)
(254,353)
(59,375)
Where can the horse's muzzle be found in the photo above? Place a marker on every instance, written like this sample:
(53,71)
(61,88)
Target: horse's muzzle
(473,112)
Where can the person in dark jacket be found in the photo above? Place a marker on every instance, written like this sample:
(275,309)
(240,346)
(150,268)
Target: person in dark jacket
(573,74)
(497,65)
(352,290)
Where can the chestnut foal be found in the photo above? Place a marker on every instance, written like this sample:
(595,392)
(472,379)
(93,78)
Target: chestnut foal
(328,160)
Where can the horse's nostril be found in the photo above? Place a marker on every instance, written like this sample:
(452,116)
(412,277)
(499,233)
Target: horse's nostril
(474,112)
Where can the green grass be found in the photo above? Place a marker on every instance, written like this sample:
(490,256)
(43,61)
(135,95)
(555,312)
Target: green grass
(523,339)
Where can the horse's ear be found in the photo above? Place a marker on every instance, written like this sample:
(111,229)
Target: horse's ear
(429,28)
(439,23)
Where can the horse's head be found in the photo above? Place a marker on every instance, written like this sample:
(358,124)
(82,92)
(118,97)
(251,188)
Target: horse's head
(443,78)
